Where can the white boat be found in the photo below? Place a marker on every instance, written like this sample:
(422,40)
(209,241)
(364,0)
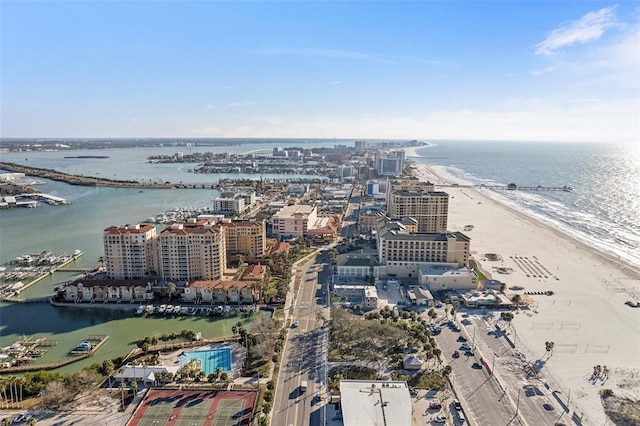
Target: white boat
(162,309)
(176,309)
(149,309)
(184,310)
(168,309)
(140,310)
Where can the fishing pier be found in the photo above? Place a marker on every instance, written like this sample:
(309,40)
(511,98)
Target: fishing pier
(511,187)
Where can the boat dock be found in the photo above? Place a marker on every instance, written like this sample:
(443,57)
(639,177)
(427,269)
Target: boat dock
(44,268)
(24,352)
(31,200)
(92,347)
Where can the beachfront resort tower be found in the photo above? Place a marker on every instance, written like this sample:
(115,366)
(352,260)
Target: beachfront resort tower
(127,251)
(403,252)
(419,200)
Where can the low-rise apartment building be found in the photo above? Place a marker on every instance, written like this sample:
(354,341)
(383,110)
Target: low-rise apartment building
(106,290)
(220,292)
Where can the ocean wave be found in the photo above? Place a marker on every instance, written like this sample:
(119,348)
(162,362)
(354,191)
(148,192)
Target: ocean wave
(596,232)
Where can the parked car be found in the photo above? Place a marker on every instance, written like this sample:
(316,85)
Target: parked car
(477,366)
(295,324)
(440,419)
(435,405)
(456,404)
(456,354)
(461,338)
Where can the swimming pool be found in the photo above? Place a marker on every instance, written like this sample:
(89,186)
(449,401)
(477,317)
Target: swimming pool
(211,359)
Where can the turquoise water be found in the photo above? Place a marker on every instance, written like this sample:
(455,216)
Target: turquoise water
(211,360)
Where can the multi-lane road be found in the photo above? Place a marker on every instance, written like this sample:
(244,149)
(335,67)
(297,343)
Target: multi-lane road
(304,356)
(507,397)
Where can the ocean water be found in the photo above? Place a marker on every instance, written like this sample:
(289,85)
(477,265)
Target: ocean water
(603,210)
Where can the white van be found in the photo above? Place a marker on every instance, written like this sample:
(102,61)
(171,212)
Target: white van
(461,416)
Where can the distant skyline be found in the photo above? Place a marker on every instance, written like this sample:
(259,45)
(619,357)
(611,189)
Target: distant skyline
(486,70)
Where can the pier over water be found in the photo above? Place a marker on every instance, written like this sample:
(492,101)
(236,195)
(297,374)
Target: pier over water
(511,187)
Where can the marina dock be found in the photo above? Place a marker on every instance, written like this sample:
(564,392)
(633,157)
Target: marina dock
(38,266)
(94,342)
(25,366)
(30,200)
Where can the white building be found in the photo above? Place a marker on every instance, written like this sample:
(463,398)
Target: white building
(375,402)
(441,278)
(364,295)
(230,205)
(294,220)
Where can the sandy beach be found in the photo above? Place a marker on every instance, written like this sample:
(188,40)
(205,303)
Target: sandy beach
(586,317)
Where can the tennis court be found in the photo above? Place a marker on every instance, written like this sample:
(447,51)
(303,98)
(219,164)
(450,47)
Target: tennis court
(189,407)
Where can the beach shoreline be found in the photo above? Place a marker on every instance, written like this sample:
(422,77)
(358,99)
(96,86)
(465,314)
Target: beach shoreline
(586,316)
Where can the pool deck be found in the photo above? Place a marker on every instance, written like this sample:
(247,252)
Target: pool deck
(238,355)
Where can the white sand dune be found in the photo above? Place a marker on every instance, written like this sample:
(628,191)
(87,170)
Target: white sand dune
(586,317)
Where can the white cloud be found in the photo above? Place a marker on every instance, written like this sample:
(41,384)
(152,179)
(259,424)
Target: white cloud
(543,71)
(587,29)
(241,104)
(591,120)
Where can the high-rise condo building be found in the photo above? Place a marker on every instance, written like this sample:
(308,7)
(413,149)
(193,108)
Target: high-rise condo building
(127,251)
(246,237)
(419,200)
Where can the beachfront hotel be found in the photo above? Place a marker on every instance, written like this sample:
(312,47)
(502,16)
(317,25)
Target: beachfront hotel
(403,252)
(419,200)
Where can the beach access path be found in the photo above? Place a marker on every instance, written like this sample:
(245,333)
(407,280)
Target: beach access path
(586,317)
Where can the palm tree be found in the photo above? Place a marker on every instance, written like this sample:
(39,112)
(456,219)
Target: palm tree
(548,347)
(171,288)
(517,299)
(122,387)
(134,386)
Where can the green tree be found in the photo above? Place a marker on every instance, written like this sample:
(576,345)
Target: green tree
(171,288)
(548,347)
(122,387)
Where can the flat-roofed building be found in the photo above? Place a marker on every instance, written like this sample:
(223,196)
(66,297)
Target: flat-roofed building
(402,253)
(295,220)
(429,208)
(128,252)
(229,205)
(442,278)
(354,294)
(375,402)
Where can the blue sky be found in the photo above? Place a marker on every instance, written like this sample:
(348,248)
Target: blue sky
(502,70)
